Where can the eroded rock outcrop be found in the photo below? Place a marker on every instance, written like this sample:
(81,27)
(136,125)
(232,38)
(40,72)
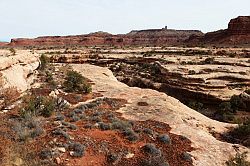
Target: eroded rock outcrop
(183,120)
(238,33)
(18,70)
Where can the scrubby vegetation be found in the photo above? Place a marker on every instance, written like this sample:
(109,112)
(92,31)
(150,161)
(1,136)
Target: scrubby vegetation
(38,106)
(238,160)
(241,134)
(8,95)
(75,82)
(44,61)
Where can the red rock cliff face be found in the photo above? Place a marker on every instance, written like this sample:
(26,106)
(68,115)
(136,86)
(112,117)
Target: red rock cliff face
(238,33)
(239,26)
(144,37)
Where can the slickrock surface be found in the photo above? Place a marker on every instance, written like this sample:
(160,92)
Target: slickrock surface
(183,120)
(17,70)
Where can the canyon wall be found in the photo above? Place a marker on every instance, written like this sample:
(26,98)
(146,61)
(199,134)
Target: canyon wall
(143,37)
(238,33)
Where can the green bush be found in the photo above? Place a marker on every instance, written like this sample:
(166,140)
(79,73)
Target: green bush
(242,133)
(225,112)
(238,160)
(209,60)
(75,82)
(44,62)
(37,106)
(237,103)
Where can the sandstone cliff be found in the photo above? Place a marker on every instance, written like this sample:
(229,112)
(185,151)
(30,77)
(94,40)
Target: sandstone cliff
(144,37)
(17,70)
(238,33)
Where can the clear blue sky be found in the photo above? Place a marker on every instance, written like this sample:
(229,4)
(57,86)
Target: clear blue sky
(32,18)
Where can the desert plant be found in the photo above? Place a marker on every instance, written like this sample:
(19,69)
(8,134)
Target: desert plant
(9,95)
(130,135)
(195,105)
(164,138)
(75,82)
(151,149)
(238,160)
(237,103)
(78,149)
(37,106)
(209,60)
(186,156)
(242,133)
(104,126)
(44,62)
(49,106)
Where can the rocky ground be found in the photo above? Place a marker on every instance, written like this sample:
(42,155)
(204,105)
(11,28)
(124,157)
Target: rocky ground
(117,124)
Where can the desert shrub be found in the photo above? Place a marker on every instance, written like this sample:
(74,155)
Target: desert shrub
(148,131)
(241,134)
(49,79)
(62,133)
(151,149)
(164,138)
(238,160)
(37,106)
(49,106)
(237,103)
(195,105)
(44,62)
(130,135)
(226,107)
(209,60)
(59,117)
(9,95)
(154,161)
(27,128)
(46,154)
(75,118)
(69,125)
(75,82)
(186,156)
(78,149)
(104,126)
(232,55)
(112,157)
(191,72)
(224,113)
(120,125)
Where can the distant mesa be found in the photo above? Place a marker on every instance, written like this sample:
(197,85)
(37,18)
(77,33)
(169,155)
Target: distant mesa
(238,33)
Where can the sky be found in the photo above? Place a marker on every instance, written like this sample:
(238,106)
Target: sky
(33,18)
